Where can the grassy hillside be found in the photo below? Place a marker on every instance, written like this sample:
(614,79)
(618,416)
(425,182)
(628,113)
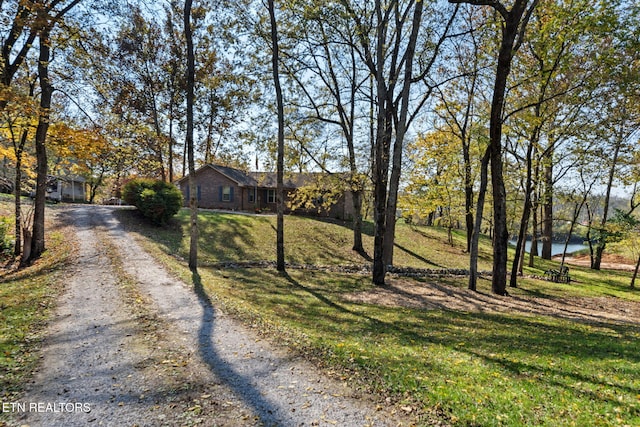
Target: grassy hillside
(445,366)
(229,237)
(233,237)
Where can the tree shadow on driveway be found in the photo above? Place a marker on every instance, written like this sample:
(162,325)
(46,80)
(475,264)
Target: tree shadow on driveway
(239,383)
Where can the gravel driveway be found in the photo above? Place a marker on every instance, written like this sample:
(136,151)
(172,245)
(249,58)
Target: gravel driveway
(131,345)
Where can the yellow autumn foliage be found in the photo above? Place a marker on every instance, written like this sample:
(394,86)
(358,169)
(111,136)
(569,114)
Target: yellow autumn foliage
(435,180)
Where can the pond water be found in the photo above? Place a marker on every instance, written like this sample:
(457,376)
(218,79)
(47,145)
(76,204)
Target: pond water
(556,248)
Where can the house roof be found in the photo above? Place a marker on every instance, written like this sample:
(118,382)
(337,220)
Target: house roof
(260,179)
(240,177)
(270,179)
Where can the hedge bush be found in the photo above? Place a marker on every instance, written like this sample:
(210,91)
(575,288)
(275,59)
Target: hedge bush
(5,242)
(156,200)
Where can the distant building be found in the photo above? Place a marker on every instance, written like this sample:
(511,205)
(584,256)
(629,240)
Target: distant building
(222,187)
(60,187)
(69,188)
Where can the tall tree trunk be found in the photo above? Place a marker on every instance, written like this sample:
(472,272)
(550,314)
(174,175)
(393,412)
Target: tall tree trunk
(602,241)
(390,220)
(357,183)
(185,168)
(380,166)
(468,196)
(46,92)
(17,189)
(469,183)
(380,175)
(25,230)
(515,22)
(280,264)
(357,221)
(19,150)
(516,268)
(475,238)
(588,235)
(576,214)
(523,251)
(381,150)
(193,198)
(17,247)
(547,206)
(171,142)
(501,237)
(94,185)
(533,250)
(401,129)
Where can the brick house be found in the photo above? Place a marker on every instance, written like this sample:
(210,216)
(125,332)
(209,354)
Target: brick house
(222,187)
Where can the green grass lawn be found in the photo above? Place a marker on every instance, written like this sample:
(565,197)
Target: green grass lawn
(232,237)
(466,368)
(26,299)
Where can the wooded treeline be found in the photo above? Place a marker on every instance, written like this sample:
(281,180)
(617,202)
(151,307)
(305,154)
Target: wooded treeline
(474,114)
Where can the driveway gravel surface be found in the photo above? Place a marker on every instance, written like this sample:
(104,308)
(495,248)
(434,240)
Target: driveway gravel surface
(130,345)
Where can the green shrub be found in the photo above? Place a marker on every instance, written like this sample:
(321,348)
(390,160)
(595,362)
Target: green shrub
(5,242)
(156,200)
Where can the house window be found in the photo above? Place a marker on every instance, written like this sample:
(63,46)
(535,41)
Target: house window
(226,193)
(252,196)
(271,196)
